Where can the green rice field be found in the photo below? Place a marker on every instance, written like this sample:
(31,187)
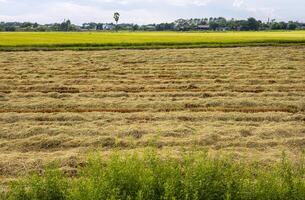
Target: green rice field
(31,40)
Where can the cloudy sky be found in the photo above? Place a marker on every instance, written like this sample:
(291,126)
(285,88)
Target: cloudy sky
(147,11)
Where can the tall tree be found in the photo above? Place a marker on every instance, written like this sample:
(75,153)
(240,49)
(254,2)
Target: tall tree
(253,24)
(116,17)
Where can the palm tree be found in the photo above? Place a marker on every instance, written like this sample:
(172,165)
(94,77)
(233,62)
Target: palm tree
(116,17)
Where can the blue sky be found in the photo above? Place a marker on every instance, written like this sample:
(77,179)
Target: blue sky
(147,11)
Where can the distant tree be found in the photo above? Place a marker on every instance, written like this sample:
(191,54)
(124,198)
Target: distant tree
(26,25)
(283,25)
(183,25)
(217,23)
(221,21)
(99,26)
(35,25)
(65,25)
(62,26)
(10,28)
(68,25)
(165,27)
(213,25)
(292,25)
(278,25)
(135,27)
(206,21)
(232,24)
(116,17)
(253,24)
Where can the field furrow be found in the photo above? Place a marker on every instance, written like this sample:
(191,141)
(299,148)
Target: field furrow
(57,105)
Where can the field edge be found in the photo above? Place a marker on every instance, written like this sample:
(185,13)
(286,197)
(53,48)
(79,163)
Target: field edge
(148,46)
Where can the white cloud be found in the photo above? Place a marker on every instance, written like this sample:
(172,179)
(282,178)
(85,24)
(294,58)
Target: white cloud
(255,9)
(238,3)
(171,2)
(79,13)
(147,11)
(188,2)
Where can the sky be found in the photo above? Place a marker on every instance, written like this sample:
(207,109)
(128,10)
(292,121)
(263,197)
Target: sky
(147,11)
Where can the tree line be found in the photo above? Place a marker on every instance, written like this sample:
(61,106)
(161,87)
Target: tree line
(212,24)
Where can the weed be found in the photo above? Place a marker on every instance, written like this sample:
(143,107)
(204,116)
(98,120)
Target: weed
(149,176)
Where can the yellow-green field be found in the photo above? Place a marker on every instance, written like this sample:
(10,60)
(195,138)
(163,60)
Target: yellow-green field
(147,39)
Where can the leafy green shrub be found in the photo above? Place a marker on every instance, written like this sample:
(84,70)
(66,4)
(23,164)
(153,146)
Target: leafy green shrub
(49,186)
(150,176)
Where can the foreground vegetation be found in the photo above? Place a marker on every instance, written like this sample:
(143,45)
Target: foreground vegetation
(76,41)
(152,177)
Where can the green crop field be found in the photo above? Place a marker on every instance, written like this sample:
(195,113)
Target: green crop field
(18,40)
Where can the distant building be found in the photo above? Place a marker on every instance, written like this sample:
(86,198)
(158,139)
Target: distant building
(222,29)
(108,27)
(125,26)
(203,27)
(149,27)
(89,26)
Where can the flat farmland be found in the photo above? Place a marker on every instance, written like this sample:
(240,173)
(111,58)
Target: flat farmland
(60,105)
(144,40)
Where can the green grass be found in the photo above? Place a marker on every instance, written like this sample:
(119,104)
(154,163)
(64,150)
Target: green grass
(104,40)
(152,177)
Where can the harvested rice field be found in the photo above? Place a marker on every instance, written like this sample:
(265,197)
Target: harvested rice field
(61,105)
